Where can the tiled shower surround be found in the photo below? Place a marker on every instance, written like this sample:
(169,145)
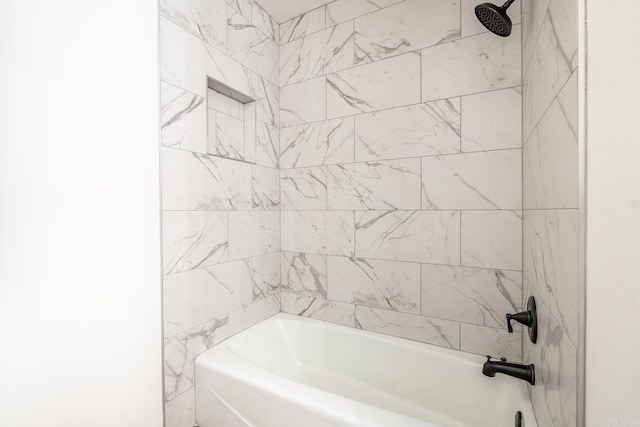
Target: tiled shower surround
(400,165)
(550,185)
(383,190)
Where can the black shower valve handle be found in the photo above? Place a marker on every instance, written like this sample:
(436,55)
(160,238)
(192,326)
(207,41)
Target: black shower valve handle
(524,318)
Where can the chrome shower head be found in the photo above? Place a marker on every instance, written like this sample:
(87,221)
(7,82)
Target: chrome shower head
(495,18)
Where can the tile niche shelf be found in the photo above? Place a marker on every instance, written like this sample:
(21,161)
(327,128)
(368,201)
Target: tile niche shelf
(231,123)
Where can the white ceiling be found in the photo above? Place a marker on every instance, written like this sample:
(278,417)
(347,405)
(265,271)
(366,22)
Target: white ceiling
(283,10)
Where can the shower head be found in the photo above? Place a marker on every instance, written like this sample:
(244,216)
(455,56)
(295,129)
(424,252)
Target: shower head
(495,18)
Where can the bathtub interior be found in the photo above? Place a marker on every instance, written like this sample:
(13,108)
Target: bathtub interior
(437,385)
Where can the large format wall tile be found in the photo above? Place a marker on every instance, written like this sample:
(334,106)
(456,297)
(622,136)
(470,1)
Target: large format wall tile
(492,239)
(417,236)
(554,58)
(555,359)
(314,144)
(304,274)
(303,102)
(304,188)
(320,53)
(317,308)
(318,232)
(202,18)
(267,96)
(184,116)
(186,61)
(470,295)
(194,297)
(485,180)
(253,233)
(551,263)
(533,13)
(344,10)
(417,130)
(550,168)
(244,7)
(264,274)
(181,411)
(265,192)
(263,21)
(391,184)
(433,331)
(382,284)
(252,47)
(300,26)
(385,84)
(192,181)
(492,120)
(193,239)
(471,65)
(181,350)
(267,145)
(424,23)
(256,312)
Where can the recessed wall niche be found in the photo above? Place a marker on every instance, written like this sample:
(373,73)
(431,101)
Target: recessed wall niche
(231,123)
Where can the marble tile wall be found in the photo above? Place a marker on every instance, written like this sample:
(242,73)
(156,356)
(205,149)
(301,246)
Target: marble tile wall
(401,172)
(220,182)
(550,197)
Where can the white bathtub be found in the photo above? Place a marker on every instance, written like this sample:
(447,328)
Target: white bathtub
(293,372)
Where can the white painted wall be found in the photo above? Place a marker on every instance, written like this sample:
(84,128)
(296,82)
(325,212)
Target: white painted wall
(80,321)
(613,214)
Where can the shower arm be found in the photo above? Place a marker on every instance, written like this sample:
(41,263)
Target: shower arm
(507,4)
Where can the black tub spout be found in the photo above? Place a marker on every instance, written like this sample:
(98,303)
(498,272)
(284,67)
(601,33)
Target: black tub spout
(523,372)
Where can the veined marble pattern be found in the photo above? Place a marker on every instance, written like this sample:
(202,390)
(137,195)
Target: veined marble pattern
(417,130)
(193,239)
(181,411)
(423,22)
(554,59)
(253,233)
(202,18)
(484,180)
(255,312)
(492,120)
(318,232)
(303,102)
(194,297)
(263,21)
(267,96)
(390,83)
(253,48)
(550,168)
(304,188)
(555,358)
(382,284)
(184,116)
(250,122)
(267,145)
(318,308)
(227,136)
(433,331)
(470,295)
(471,65)
(304,274)
(533,13)
(320,53)
(265,193)
(186,60)
(244,7)
(302,25)
(315,144)
(264,273)
(488,341)
(192,181)
(344,10)
(385,184)
(180,351)
(551,263)
(492,239)
(472,26)
(224,104)
(416,236)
